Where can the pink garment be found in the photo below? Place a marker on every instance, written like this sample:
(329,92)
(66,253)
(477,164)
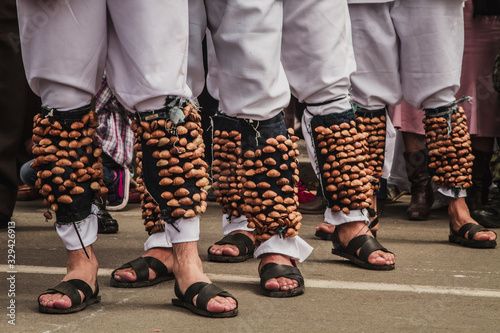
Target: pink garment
(482,42)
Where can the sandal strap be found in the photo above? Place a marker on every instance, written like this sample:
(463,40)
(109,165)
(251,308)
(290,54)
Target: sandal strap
(141,267)
(273,270)
(70,288)
(368,245)
(205,291)
(472,228)
(241,241)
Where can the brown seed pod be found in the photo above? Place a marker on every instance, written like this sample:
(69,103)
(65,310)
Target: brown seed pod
(273,173)
(202,182)
(83,178)
(178,212)
(57,170)
(77,190)
(95,186)
(77,165)
(189,213)
(181,192)
(166,181)
(162,163)
(63,162)
(66,199)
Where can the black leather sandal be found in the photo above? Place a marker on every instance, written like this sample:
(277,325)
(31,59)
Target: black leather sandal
(241,241)
(368,245)
(141,267)
(458,237)
(272,271)
(205,291)
(70,288)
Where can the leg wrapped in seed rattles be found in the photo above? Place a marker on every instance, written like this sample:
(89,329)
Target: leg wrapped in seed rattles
(227,187)
(68,163)
(450,162)
(342,154)
(69,173)
(268,172)
(173,168)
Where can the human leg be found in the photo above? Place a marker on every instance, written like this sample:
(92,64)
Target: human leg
(67,162)
(257,98)
(447,137)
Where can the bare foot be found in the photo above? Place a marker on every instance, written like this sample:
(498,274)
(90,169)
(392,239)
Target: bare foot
(326,228)
(459,215)
(348,231)
(161,253)
(188,269)
(78,267)
(280,283)
(228,249)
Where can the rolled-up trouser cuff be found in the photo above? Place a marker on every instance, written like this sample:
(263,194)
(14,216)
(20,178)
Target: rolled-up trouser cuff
(158,239)
(338,218)
(295,247)
(188,230)
(87,229)
(449,192)
(336,106)
(235,224)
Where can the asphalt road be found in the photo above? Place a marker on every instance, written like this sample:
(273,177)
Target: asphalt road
(436,286)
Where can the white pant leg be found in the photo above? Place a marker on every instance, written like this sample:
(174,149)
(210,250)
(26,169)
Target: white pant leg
(197,28)
(376,82)
(213,68)
(247,40)
(148,52)
(432,43)
(86,234)
(64,49)
(318,58)
(235,224)
(158,239)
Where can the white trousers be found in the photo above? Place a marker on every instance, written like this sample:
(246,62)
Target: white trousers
(407,49)
(267,49)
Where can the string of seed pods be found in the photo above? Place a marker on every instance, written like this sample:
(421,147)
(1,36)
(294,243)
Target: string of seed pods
(345,175)
(226,183)
(268,176)
(67,159)
(373,123)
(449,149)
(149,207)
(178,153)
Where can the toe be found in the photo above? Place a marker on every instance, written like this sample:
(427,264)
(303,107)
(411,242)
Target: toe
(272,284)
(62,303)
(381,258)
(219,304)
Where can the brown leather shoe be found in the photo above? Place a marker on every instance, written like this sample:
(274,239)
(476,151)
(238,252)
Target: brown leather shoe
(422,195)
(315,206)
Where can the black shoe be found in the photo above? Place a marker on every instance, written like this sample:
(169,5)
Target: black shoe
(105,223)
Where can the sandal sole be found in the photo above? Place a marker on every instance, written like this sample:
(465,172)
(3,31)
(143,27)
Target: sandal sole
(80,307)
(363,264)
(283,293)
(472,243)
(204,313)
(230,259)
(140,284)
